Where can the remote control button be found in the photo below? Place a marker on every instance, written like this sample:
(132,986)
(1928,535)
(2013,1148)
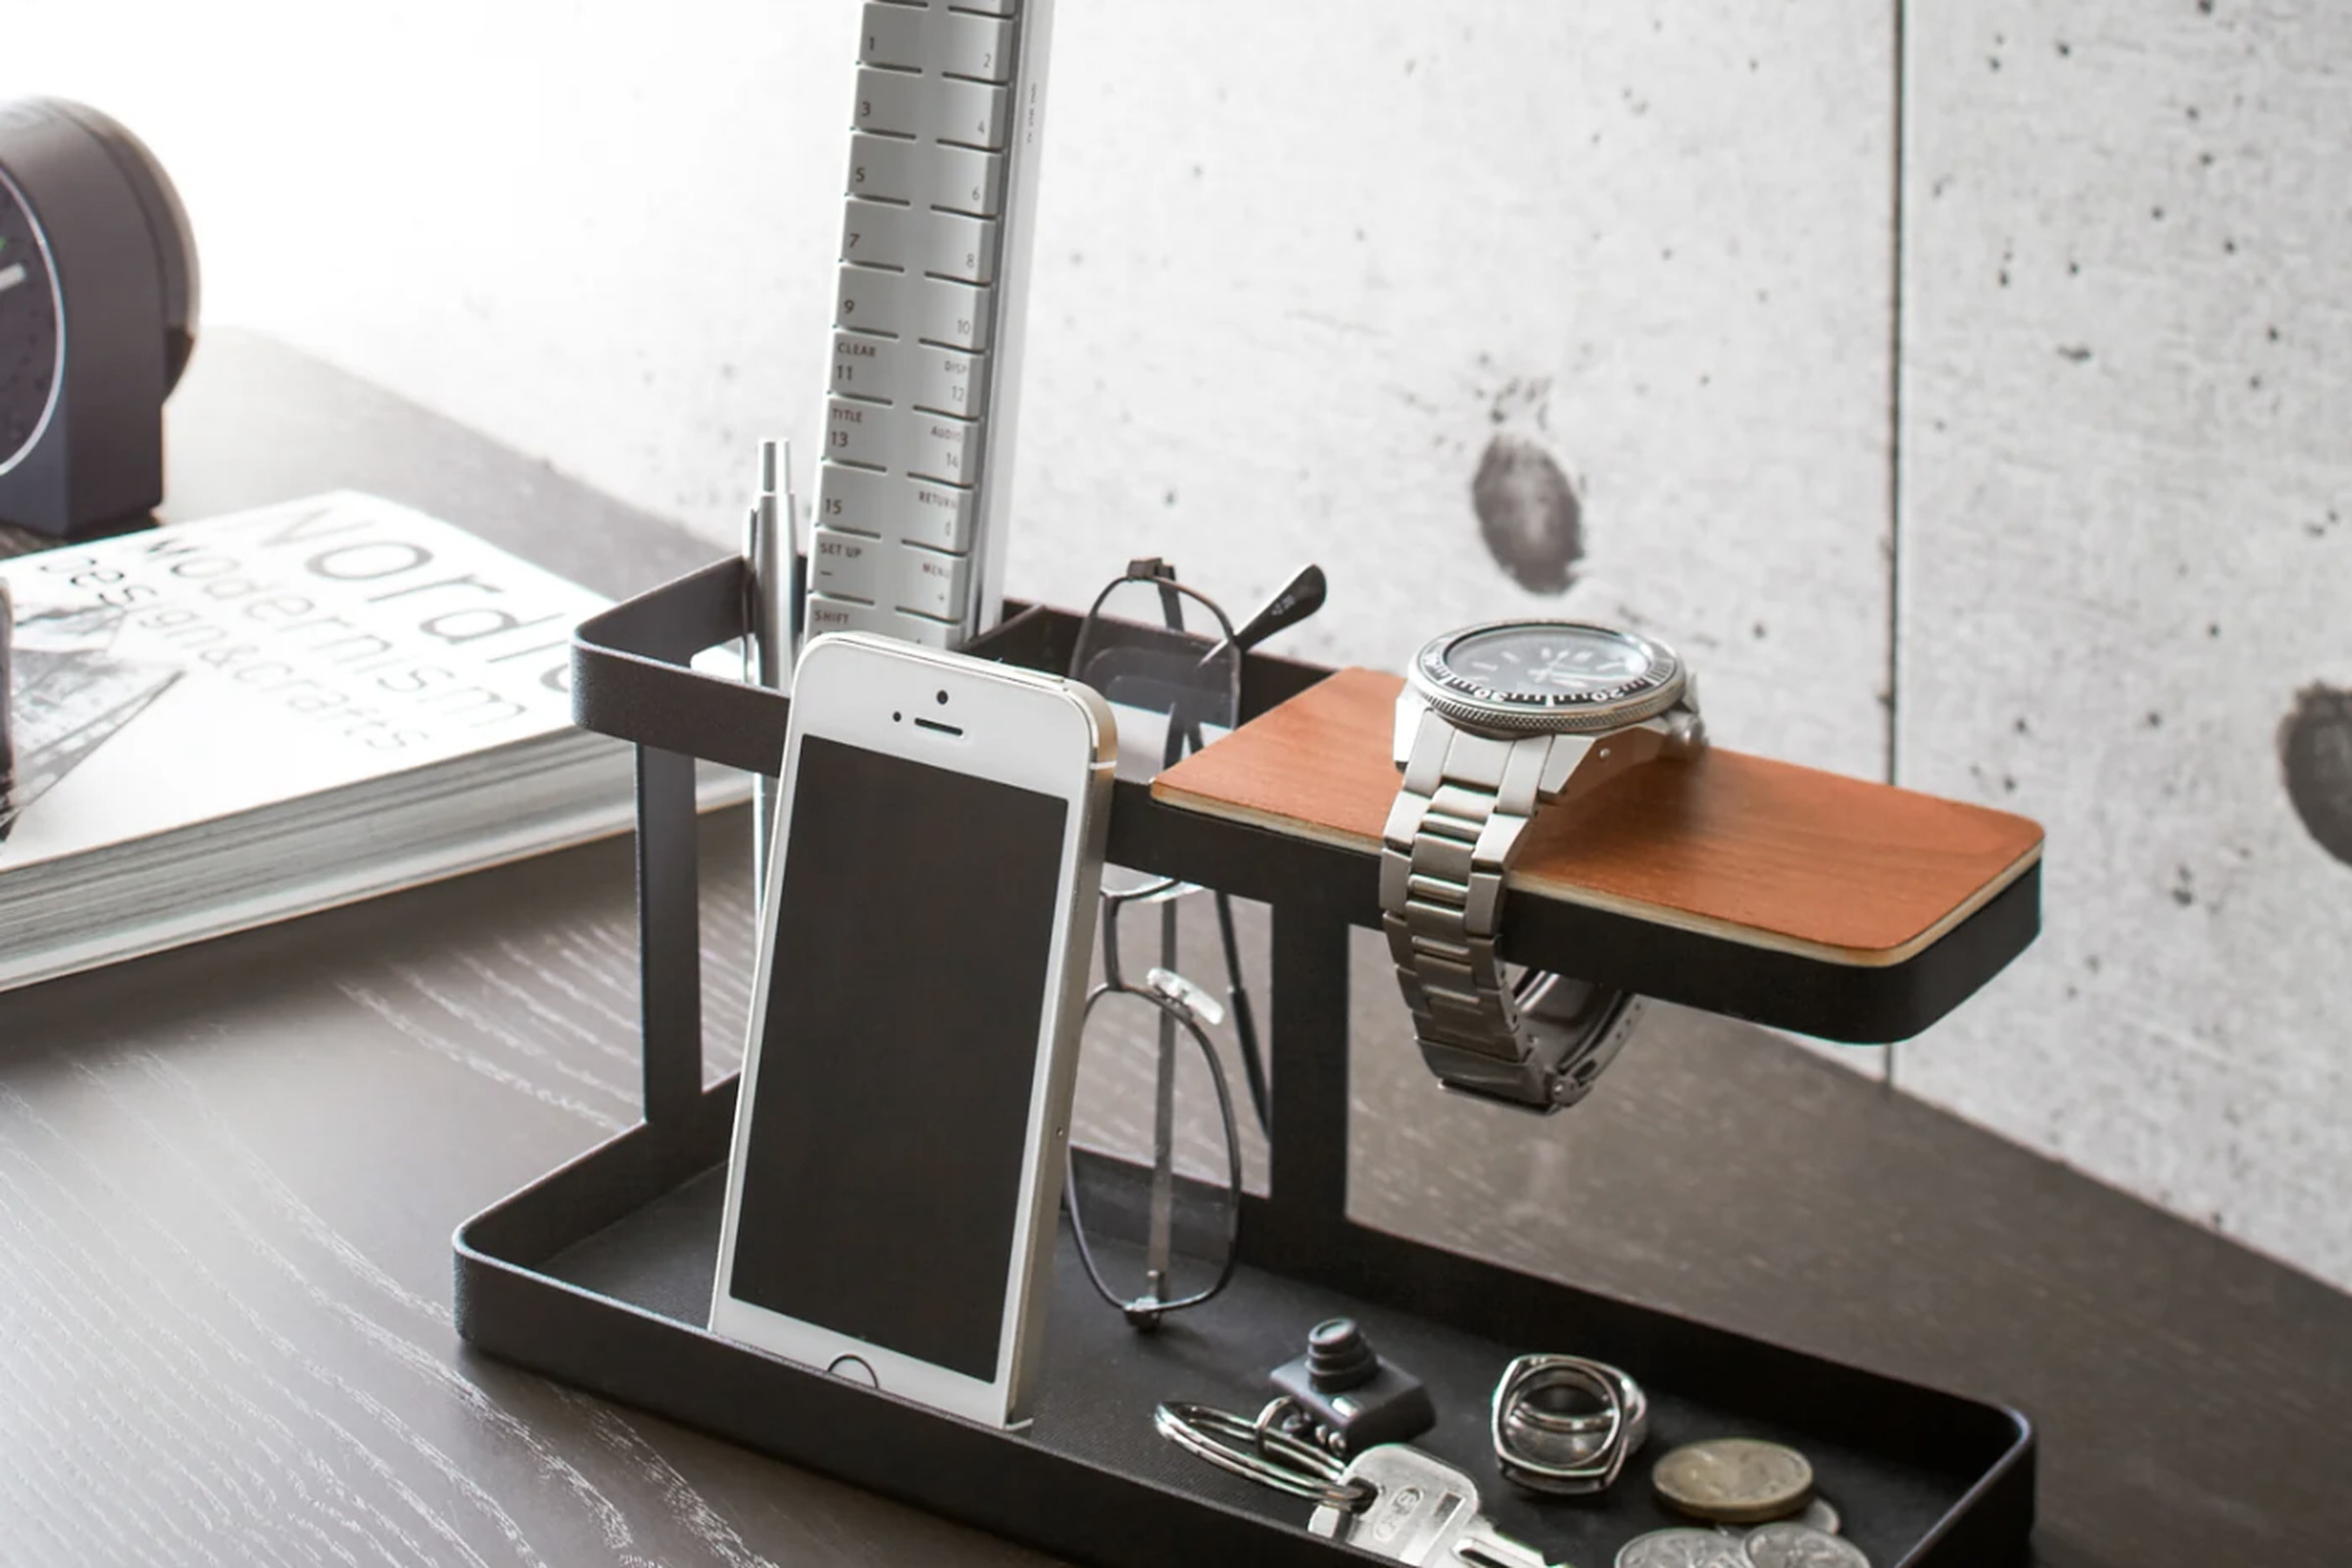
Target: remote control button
(839,614)
(970,114)
(861,433)
(994,8)
(846,614)
(955,246)
(944,517)
(878,234)
(869,367)
(870,299)
(919,512)
(964,45)
(924,446)
(906,37)
(927,630)
(952,313)
(856,501)
(924,174)
(893,36)
(965,179)
(941,447)
(949,380)
(845,566)
(926,582)
(892,104)
(884,170)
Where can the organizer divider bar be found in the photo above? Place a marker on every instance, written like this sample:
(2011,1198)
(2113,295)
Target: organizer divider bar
(668,935)
(1308,1044)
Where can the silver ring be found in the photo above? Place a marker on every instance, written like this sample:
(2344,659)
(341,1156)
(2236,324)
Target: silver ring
(1593,1423)
(1261,1451)
(1561,1452)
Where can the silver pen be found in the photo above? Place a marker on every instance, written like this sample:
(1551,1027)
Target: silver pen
(768,650)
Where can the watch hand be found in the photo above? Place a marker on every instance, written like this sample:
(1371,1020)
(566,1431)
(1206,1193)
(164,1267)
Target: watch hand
(1551,670)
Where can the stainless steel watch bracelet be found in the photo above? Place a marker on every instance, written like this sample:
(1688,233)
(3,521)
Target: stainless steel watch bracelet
(1466,800)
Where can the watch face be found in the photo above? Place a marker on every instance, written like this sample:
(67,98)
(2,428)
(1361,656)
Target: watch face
(1546,661)
(28,329)
(1543,674)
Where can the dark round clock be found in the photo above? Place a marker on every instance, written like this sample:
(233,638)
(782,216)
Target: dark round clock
(98,295)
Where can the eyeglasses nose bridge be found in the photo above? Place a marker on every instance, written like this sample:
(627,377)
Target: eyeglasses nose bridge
(1185,997)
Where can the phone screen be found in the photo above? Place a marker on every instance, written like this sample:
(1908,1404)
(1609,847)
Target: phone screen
(881,1179)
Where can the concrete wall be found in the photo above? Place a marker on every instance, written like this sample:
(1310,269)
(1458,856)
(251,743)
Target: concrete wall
(2127,580)
(1308,269)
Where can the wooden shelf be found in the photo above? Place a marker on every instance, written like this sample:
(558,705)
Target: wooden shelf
(1733,849)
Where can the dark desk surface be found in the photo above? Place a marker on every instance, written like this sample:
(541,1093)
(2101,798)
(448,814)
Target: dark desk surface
(228,1177)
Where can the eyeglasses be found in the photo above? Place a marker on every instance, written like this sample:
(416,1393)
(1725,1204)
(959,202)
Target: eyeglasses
(1159,1238)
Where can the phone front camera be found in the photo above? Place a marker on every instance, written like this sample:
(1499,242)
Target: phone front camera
(942,699)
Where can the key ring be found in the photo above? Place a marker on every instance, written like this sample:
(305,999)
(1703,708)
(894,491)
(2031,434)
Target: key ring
(1567,1453)
(1259,1450)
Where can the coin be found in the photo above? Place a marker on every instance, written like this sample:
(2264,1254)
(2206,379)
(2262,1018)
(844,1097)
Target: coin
(1735,1480)
(1682,1548)
(1794,1545)
(1819,1515)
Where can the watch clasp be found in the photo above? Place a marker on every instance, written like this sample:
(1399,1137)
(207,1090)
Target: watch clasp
(1576,1029)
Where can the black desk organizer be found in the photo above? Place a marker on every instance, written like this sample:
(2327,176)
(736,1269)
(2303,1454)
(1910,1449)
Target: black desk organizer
(600,1273)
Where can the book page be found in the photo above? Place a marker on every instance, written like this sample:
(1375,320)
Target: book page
(171,676)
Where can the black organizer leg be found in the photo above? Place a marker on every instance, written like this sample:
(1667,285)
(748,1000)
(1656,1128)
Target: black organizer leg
(1310,1047)
(669,935)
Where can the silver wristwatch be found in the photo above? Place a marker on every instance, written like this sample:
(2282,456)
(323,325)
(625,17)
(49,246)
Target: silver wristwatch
(1493,721)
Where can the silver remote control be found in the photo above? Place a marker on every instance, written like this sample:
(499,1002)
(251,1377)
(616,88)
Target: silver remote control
(923,395)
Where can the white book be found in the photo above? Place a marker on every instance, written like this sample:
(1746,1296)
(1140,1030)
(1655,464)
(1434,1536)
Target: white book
(224,723)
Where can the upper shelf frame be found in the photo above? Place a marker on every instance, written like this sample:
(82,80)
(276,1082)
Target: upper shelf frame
(1809,901)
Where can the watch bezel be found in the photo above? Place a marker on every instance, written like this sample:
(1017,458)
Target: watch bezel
(1472,702)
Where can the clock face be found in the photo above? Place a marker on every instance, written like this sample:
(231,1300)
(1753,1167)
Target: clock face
(29,337)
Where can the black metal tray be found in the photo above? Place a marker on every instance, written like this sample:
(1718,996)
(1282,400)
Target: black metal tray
(600,1273)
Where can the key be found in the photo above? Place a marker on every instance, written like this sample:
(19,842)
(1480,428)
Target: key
(1424,1512)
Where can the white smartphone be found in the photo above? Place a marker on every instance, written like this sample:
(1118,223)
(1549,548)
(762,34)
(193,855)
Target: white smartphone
(893,1195)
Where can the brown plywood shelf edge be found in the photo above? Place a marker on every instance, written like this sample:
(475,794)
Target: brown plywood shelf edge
(1737,849)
